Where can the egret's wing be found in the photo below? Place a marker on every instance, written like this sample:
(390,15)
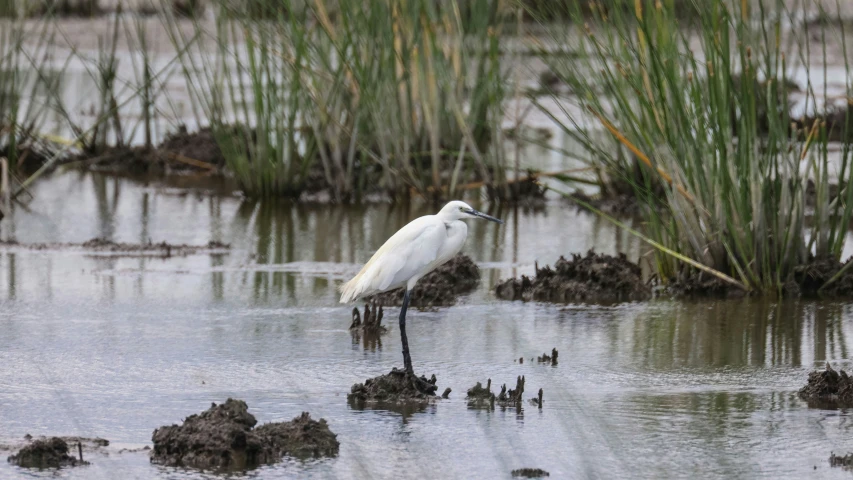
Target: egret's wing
(402,256)
(410,256)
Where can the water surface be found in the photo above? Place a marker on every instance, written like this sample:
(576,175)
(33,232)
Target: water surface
(99,345)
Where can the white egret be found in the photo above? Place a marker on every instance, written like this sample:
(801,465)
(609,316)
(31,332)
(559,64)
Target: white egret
(421,246)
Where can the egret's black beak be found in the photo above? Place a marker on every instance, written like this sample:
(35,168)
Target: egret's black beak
(483,215)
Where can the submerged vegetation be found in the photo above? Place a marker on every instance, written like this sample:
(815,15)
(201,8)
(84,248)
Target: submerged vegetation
(697,122)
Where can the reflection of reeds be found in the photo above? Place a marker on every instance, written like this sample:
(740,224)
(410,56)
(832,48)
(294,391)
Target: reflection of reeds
(722,185)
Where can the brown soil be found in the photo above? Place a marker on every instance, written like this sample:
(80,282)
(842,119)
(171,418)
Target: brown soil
(392,388)
(590,278)
(46,453)
(440,287)
(530,473)
(102,245)
(702,284)
(224,438)
(828,389)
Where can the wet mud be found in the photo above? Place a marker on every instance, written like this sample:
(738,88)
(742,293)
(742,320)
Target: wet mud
(225,438)
(590,278)
(703,285)
(530,473)
(538,401)
(50,452)
(828,389)
(104,246)
(441,287)
(392,388)
(180,152)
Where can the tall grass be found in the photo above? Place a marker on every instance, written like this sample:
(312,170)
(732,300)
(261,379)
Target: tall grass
(24,82)
(359,97)
(696,121)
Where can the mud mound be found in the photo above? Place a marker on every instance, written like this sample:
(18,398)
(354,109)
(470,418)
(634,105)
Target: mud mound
(301,437)
(512,397)
(45,453)
(481,397)
(592,278)
(703,285)
(828,389)
(200,146)
(394,387)
(440,287)
(811,277)
(223,438)
(845,461)
(530,473)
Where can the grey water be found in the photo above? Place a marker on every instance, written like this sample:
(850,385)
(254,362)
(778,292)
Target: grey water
(102,345)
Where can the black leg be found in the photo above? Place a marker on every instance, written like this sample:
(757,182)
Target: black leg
(407,359)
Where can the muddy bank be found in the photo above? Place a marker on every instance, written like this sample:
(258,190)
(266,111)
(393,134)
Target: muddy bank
(180,152)
(104,246)
(224,437)
(393,388)
(50,452)
(590,278)
(828,389)
(440,287)
(702,285)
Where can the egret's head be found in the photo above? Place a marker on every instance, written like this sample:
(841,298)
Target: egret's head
(458,210)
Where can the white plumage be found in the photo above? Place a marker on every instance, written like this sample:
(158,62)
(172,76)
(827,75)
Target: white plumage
(415,250)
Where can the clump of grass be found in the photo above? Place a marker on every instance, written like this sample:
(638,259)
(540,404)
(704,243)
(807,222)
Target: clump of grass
(393,97)
(719,184)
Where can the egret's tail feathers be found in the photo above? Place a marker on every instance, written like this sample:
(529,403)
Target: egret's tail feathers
(350,291)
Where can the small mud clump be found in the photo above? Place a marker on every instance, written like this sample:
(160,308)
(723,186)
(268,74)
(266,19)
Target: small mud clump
(46,453)
(590,278)
(440,287)
(392,388)
(844,461)
(537,402)
(371,322)
(551,360)
(828,389)
(224,438)
(481,397)
(512,397)
(530,473)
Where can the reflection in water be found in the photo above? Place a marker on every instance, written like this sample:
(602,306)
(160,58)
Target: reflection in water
(737,333)
(653,389)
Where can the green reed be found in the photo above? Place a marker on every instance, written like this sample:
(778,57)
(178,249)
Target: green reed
(696,121)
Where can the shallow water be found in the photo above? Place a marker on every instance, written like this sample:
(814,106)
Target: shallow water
(98,345)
